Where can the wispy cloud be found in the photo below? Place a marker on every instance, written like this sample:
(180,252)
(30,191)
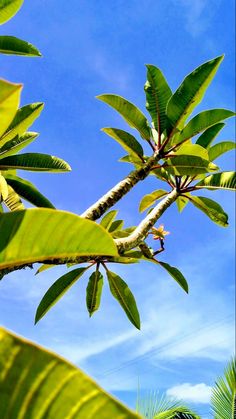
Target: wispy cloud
(197,393)
(197,14)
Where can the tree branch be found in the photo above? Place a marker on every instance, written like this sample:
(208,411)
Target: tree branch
(118,191)
(141,232)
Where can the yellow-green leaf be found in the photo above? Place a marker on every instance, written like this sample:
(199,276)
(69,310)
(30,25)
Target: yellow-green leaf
(9,103)
(8,8)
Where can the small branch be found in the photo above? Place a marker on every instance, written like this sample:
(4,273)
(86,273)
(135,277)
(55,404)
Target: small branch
(118,191)
(141,232)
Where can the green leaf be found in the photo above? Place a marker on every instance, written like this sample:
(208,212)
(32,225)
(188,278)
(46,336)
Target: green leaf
(8,8)
(132,115)
(218,149)
(17,144)
(186,165)
(126,140)
(192,150)
(28,191)
(209,135)
(124,296)
(23,119)
(223,180)
(211,208)
(131,159)
(56,291)
(44,267)
(123,233)
(202,121)
(3,189)
(36,383)
(94,292)
(157,95)
(181,202)
(13,201)
(150,198)
(11,45)
(116,226)
(40,235)
(106,221)
(223,399)
(9,102)
(176,274)
(35,162)
(190,93)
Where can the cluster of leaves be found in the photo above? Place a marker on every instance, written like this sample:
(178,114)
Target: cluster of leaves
(182,156)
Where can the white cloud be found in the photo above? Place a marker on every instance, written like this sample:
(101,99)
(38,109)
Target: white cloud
(197,393)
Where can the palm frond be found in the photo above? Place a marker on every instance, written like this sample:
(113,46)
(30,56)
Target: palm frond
(223,398)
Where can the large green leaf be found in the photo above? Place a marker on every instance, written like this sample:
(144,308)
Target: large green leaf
(126,140)
(94,292)
(12,45)
(9,102)
(157,95)
(190,93)
(116,226)
(23,119)
(209,135)
(8,8)
(176,274)
(192,150)
(28,191)
(218,149)
(150,199)
(223,400)
(202,121)
(132,115)
(124,296)
(17,144)
(189,165)
(35,162)
(181,202)
(211,208)
(36,383)
(13,201)
(47,234)
(223,180)
(56,291)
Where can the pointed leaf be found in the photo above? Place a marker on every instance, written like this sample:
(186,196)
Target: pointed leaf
(94,292)
(35,162)
(124,296)
(44,267)
(223,180)
(24,118)
(176,274)
(223,400)
(123,233)
(13,201)
(40,235)
(106,221)
(8,8)
(126,140)
(185,165)
(211,208)
(181,202)
(9,102)
(209,135)
(28,191)
(132,115)
(12,45)
(157,95)
(3,189)
(190,93)
(218,149)
(151,198)
(17,144)
(116,226)
(36,383)
(56,291)
(202,121)
(131,159)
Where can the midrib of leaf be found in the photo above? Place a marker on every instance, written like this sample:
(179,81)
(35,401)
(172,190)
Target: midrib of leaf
(157,105)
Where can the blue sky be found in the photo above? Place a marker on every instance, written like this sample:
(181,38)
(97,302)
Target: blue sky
(94,47)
